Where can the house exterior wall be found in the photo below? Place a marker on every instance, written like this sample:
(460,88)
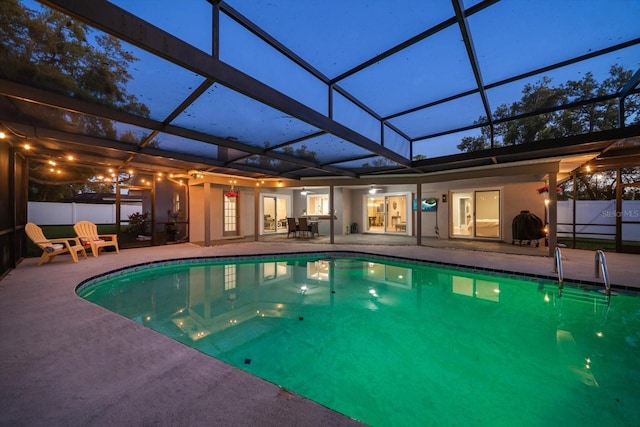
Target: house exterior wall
(196,213)
(439,218)
(246,223)
(516,198)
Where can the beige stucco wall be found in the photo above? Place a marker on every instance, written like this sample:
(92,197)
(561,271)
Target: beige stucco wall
(348,205)
(197,213)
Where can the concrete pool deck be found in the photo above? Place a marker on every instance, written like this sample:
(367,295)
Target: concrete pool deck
(65,361)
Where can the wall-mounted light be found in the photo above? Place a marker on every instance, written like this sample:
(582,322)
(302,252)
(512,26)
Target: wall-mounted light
(304,191)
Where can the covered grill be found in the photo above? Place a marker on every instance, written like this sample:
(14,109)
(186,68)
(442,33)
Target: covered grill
(527,227)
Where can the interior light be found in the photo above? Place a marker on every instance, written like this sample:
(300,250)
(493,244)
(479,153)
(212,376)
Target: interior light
(27,147)
(51,169)
(588,168)
(2,135)
(58,171)
(52,163)
(70,158)
(130,171)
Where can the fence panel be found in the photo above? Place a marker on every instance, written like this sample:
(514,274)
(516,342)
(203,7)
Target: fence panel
(56,213)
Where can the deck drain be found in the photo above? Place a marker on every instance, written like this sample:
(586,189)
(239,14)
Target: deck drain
(247,361)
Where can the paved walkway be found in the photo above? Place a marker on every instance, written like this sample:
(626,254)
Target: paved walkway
(65,361)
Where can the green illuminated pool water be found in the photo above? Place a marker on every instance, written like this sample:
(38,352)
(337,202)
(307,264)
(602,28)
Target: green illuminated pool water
(395,343)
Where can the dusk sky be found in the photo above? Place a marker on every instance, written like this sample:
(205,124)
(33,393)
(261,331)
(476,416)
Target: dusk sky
(510,38)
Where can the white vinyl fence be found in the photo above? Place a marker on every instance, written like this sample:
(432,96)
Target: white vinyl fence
(53,213)
(599,216)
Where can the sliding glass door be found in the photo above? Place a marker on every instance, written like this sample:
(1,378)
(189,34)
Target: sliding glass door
(386,213)
(274,209)
(475,213)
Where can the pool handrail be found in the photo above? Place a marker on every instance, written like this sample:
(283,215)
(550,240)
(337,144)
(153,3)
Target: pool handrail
(601,262)
(557,266)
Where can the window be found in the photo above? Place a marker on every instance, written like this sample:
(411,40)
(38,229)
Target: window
(318,204)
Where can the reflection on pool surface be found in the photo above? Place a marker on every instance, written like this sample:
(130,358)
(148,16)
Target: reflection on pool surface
(399,343)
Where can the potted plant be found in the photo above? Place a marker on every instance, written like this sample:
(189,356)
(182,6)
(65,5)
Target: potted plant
(138,223)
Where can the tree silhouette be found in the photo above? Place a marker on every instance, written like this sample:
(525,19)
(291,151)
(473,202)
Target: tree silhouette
(48,50)
(554,122)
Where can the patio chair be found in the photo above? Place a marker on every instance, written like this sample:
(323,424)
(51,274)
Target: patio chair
(292,227)
(88,234)
(304,226)
(54,247)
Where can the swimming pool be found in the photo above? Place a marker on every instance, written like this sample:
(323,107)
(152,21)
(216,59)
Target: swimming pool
(397,342)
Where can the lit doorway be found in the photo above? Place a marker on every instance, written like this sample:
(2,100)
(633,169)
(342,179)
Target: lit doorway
(475,214)
(387,213)
(274,214)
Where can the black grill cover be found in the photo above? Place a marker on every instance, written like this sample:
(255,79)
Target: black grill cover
(527,226)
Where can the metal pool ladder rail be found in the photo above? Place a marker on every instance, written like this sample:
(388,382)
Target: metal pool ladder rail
(557,266)
(601,262)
